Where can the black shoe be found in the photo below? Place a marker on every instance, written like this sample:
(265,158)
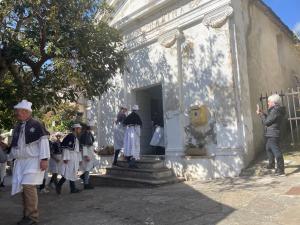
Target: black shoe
(279,173)
(27,221)
(58,189)
(75,191)
(88,187)
(115,164)
(2,184)
(82,176)
(270,167)
(133,166)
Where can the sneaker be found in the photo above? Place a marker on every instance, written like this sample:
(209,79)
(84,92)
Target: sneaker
(279,173)
(75,191)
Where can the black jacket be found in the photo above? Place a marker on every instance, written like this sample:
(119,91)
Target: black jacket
(87,138)
(273,120)
(133,119)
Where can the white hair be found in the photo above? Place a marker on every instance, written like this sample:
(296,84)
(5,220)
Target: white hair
(275,98)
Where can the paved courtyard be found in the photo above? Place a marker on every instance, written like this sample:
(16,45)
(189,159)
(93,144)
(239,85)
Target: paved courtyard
(251,200)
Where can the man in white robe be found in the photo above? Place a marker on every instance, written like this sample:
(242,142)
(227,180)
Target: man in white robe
(88,155)
(133,125)
(71,157)
(30,149)
(56,158)
(119,132)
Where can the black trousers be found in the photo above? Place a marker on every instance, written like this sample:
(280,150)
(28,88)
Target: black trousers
(274,152)
(63,180)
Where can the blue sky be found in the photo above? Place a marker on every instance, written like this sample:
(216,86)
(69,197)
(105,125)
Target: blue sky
(288,11)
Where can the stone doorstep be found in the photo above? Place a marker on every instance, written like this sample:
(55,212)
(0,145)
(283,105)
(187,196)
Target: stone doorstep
(144,164)
(115,181)
(140,173)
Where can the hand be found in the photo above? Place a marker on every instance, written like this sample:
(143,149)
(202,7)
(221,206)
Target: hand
(66,161)
(44,165)
(86,158)
(258,110)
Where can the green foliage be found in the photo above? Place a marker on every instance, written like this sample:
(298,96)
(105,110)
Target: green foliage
(52,51)
(60,119)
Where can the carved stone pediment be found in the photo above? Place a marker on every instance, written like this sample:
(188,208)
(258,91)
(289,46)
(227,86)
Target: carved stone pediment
(218,18)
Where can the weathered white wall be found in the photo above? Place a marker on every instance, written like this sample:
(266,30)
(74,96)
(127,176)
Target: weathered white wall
(268,62)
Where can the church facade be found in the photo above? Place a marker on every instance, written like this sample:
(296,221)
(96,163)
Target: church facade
(201,65)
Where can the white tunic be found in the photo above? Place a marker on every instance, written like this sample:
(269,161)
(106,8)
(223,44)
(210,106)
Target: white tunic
(74,157)
(27,164)
(158,137)
(119,132)
(55,163)
(132,141)
(89,152)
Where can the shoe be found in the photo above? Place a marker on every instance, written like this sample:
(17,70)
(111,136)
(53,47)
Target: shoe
(2,184)
(88,187)
(75,191)
(27,221)
(82,176)
(58,189)
(279,173)
(44,191)
(133,166)
(270,167)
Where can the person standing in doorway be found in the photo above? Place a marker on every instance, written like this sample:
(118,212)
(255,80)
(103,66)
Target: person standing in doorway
(158,140)
(272,122)
(119,132)
(30,149)
(133,125)
(88,160)
(71,159)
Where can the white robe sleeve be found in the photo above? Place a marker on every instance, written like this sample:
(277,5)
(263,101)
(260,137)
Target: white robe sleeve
(79,156)
(44,148)
(66,154)
(85,151)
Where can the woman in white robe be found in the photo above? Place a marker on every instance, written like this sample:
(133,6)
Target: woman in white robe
(71,157)
(132,149)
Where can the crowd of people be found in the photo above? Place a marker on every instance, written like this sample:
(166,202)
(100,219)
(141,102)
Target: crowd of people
(33,155)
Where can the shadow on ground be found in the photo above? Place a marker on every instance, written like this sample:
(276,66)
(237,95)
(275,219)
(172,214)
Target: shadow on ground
(169,205)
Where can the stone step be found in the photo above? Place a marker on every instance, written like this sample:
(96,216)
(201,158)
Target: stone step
(153,157)
(140,173)
(115,181)
(144,164)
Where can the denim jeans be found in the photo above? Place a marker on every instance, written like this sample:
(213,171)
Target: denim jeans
(274,152)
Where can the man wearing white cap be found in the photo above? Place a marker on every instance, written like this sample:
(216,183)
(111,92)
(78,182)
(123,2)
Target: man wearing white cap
(71,159)
(30,149)
(88,160)
(133,125)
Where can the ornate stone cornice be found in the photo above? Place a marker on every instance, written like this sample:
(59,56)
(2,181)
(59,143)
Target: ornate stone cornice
(218,18)
(169,38)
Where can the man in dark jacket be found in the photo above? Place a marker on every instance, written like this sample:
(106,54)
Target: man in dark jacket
(272,122)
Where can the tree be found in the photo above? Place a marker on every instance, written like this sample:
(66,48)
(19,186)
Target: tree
(52,51)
